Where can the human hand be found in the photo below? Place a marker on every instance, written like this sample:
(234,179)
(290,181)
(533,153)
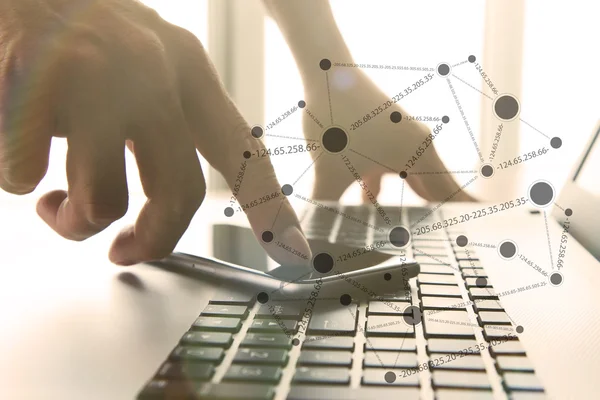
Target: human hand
(105,72)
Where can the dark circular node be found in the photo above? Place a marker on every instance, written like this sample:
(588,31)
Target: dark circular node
(399,236)
(267,236)
(301,104)
(387,276)
(257,131)
(507,249)
(443,69)
(556,142)
(287,189)
(262,297)
(345,299)
(568,212)
(403,174)
(334,140)
(323,263)
(412,315)
(295,341)
(247,154)
(541,193)
(487,171)
(390,377)
(228,212)
(520,329)
(481,282)
(506,107)
(472,59)
(395,117)
(325,64)
(445,119)
(556,278)
(462,241)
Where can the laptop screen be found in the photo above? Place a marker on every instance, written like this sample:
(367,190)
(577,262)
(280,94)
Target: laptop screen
(587,175)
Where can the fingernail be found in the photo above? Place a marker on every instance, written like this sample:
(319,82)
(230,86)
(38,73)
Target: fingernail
(293,237)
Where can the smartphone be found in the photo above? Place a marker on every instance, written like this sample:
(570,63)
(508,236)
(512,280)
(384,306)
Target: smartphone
(299,282)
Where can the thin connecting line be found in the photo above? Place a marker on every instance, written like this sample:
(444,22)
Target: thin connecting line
(473,87)
(460,63)
(557,205)
(535,129)
(436,259)
(292,281)
(376,162)
(278,211)
(329,97)
(401,345)
(401,202)
(548,237)
(366,338)
(311,164)
(290,137)
(443,172)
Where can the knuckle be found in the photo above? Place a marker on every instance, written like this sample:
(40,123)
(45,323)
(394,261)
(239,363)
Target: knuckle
(103,214)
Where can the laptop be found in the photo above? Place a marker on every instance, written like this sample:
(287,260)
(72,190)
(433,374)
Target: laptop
(505,306)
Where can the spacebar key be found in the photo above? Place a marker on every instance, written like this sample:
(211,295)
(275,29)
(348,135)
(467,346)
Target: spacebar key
(344,393)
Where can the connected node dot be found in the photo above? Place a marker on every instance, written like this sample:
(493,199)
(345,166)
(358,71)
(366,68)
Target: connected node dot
(541,193)
(472,58)
(395,117)
(462,240)
(323,263)
(287,189)
(568,212)
(390,377)
(443,69)
(334,140)
(228,212)
(399,236)
(247,155)
(262,297)
(507,249)
(345,299)
(257,131)
(556,142)
(487,171)
(520,329)
(445,119)
(403,174)
(295,341)
(325,64)
(267,236)
(301,104)
(556,278)
(412,315)
(481,282)
(387,276)
(506,107)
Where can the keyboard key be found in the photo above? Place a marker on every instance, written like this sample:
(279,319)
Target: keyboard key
(436,269)
(336,358)
(437,252)
(223,310)
(233,298)
(329,342)
(217,324)
(330,317)
(228,391)
(450,345)
(378,325)
(189,371)
(482,293)
(284,310)
(430,246)
(400,296)
(457,394)
(269,325)
(381,308)
(457,362)
(514,364)
(261,356)
(392,344)
(376,376)
(305,392)
(339,376)
(452,323)
(515,381)
(460,379)
(198,354)
(474,282)
(510,348)
(472,263)
(440,290)
(266,340)
(441,303)
(491,332)
(430,258)
(437,279)
(488,305)
(390,359)
(218,339)
(253,373)
(159,389)
(473,273)
(494,318)
(528,396)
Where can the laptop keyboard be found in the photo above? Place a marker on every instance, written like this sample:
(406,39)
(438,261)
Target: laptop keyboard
(458,343)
